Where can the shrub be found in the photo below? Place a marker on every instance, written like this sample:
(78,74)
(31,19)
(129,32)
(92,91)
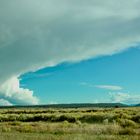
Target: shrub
(126,123)
(93,118)
(6,129)
(105,121)
(66,118)
(127,131)
(136,118)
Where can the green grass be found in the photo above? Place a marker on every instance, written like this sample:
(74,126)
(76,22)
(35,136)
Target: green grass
(31,136)
(67,124)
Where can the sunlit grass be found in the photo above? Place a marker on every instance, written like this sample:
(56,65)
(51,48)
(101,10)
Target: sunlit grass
(78,124)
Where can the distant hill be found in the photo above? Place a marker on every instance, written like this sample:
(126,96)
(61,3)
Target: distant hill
(74,105)
(138,104)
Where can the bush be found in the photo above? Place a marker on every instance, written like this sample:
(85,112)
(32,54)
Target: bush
(95,118)
(6,129)
(127,131)
(70,119)
(126,123)
(136,118)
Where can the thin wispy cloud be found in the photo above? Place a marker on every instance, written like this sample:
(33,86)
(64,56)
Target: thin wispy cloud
(109,87)
(87,84)
(105,87)
(53,102)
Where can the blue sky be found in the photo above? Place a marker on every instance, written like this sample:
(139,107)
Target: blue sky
(69,51)
(78,82)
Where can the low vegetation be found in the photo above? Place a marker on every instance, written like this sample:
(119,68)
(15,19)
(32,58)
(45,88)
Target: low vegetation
(67,124)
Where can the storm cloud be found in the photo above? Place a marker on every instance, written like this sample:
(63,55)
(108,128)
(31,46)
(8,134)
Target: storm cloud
(39,33)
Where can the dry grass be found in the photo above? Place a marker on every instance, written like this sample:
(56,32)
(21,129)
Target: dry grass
(75,124)
(32,136)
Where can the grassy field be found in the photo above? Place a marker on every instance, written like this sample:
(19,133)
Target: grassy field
(70,124)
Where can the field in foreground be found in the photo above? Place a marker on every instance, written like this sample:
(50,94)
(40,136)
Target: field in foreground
(70,124)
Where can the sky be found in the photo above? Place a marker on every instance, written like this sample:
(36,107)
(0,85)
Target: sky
(112,78)
(69,51)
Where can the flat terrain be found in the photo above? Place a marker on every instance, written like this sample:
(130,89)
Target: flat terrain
(70,124)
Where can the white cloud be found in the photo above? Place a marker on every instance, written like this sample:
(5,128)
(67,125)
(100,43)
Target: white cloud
(5,103)
(52,102)
(124,98)
(106,87)
(109,87)
(87,84)
(11,91)
(83,83)
(36,34)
